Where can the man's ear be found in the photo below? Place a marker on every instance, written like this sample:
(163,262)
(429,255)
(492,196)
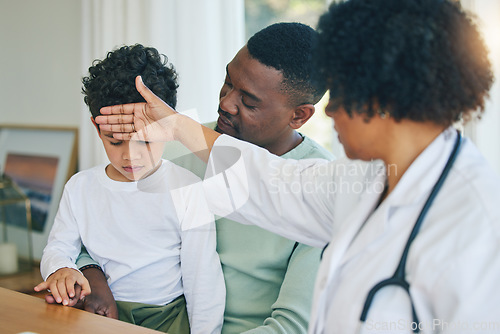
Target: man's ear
(96,126)
(301,115)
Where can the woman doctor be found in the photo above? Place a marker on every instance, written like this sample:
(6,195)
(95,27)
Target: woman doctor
(411,222)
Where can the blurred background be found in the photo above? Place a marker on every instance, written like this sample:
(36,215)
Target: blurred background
(47,46)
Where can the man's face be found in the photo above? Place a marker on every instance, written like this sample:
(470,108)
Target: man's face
(130,160)
(251,105)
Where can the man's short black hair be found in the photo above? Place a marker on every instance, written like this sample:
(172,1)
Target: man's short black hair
(422,60)
(111,81)
(288,47)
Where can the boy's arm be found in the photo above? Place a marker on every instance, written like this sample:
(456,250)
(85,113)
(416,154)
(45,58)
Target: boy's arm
(57,265)
(202,277)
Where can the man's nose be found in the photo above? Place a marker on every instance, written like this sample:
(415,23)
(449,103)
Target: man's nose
(227,102)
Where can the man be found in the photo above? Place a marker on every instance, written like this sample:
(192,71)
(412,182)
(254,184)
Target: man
(268,94)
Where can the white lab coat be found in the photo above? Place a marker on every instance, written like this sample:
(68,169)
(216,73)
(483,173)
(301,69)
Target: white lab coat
(453,265)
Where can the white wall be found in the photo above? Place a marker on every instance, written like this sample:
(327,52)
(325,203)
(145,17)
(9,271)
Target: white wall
(199,37)
(487,130)
(40,62)
(46,46)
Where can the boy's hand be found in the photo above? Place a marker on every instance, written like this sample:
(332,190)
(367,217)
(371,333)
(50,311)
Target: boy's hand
(100,301)
(62,285)
(148,121)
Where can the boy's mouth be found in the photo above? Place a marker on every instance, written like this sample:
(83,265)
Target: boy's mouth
(132,169)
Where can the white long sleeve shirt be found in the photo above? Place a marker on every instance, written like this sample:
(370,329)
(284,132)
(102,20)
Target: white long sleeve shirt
(454,263)
(154,240)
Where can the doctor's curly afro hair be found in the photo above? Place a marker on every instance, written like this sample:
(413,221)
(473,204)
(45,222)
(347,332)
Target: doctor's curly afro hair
(422,60)
(112,80)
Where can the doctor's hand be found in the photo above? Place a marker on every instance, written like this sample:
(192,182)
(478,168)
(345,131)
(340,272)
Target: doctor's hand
(153,120)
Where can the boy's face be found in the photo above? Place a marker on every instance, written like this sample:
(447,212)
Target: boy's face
(130,160)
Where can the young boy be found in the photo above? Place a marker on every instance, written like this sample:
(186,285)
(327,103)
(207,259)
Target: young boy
(137,216)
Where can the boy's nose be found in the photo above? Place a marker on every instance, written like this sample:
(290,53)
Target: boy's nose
(131,152)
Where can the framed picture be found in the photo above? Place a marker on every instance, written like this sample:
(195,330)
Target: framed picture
(40,161)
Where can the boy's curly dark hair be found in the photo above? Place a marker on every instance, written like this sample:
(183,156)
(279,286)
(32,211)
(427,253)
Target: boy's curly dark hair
(112,80)
(422,60)
(288,47)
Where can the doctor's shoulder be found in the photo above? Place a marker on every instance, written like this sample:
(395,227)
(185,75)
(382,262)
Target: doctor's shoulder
(464,221)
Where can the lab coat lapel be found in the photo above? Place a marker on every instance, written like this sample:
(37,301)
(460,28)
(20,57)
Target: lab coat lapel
(334,254)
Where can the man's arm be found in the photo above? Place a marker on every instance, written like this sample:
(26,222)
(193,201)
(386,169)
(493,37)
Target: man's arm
(100,300)
(291,311)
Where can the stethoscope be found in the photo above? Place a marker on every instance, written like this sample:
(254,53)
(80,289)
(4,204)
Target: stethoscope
(398,278)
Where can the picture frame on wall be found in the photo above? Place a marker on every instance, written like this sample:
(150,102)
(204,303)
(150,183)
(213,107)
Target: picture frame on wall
(39,160)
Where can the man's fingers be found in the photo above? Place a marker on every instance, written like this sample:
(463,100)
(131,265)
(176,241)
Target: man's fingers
(146,93)
(149,96)
(78,292)
(50,299)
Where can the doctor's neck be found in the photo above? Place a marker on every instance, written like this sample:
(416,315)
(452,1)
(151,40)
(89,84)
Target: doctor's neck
(404,141)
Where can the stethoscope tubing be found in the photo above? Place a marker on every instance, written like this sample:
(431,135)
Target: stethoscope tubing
(398,278)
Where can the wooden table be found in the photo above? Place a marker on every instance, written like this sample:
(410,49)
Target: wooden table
(23,313)
(23,281)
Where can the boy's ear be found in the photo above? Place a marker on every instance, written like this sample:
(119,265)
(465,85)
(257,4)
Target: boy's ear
(301,115)
(96,126)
